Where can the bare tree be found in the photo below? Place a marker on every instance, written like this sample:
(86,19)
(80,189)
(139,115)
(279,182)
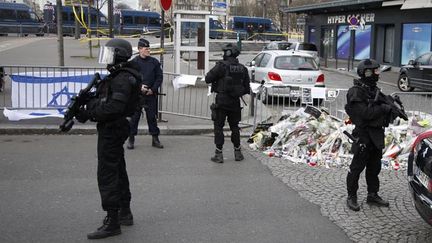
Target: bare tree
(122,5)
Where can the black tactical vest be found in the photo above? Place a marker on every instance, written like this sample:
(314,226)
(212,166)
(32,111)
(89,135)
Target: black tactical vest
(232,82)
(104,91)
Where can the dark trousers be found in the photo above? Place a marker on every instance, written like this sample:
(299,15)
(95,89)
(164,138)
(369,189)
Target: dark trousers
(233,118)
(112,176)
(151,110)
(369,158)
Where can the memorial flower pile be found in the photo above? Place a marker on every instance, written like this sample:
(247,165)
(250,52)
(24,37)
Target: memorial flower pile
(314,137)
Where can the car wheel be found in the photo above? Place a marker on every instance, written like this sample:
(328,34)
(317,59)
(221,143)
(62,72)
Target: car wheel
(403,83)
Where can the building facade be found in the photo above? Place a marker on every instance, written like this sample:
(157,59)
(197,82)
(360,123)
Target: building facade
(392,32)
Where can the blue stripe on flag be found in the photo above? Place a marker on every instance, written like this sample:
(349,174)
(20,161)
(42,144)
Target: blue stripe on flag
(39,114)
(48,80)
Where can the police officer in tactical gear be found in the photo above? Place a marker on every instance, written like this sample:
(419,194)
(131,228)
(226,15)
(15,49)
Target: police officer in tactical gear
(116,98)
(230,81)
(152,76)
(369,118)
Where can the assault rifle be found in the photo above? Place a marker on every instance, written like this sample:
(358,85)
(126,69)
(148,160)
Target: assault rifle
(77,102)
(142,94)
(394,101)
(355,140)
(351,137)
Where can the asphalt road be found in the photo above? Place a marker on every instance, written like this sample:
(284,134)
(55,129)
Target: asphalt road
(49,194)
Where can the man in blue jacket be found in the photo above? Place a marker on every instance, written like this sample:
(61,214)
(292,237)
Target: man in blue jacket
(152,76)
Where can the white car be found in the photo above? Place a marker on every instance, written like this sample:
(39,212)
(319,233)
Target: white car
(285,73)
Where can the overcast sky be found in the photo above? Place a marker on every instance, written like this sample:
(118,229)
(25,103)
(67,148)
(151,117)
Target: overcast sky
(132,3)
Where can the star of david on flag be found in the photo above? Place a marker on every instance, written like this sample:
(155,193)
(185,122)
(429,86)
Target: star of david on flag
(45,95)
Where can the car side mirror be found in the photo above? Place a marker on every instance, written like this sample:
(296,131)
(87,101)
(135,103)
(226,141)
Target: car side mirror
(412,63)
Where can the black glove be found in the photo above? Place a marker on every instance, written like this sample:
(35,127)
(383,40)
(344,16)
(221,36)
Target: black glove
(82,116)
(92,103)
(393,114)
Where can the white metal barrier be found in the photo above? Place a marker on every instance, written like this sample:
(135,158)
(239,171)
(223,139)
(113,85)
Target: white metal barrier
(190,101)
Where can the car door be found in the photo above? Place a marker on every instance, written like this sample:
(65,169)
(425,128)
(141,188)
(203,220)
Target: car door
(252,69)
(261,68)
(415,73)
(427,74)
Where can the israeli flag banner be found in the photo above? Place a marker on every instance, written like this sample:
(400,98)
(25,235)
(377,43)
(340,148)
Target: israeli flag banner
(44,94)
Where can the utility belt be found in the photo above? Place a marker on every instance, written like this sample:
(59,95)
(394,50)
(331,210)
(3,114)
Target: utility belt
(113,124)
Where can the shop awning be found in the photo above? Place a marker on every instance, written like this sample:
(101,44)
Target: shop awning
(416,4)
(334,6)
(392,3)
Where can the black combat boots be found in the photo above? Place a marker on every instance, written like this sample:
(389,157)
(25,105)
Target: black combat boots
(125,216)
(156,143)
(110,227)
(352,203)
(218,157)
(131,142)
(238,156)
(374,199)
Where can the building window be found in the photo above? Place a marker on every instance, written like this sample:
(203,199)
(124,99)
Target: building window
(328,42)
(312,34)
(362,42)
(416,40)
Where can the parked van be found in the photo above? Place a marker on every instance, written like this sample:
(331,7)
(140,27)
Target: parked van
(251,27)
(69,19)
(189,29)
(20,19)
(131,22)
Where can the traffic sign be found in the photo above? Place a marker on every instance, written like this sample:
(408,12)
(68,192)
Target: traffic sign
(214,12)
(219,5)
(165,4)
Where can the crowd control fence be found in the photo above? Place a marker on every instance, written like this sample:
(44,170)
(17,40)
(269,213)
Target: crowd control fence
(50,88)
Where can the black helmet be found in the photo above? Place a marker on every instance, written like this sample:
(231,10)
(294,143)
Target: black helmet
(368,70)
(122,49)
(231,50)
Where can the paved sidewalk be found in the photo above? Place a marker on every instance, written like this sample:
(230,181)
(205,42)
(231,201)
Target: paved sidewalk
(389,77)
(326,187)
(171,125)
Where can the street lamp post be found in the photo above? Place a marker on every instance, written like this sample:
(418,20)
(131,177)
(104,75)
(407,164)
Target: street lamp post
(282,6)
(110,17)
(60,44)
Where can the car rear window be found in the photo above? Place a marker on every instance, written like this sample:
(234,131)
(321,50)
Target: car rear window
(284,46)
(295,63)
(307,47)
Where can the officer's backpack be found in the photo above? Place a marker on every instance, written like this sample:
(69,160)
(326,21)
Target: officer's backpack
(232,82)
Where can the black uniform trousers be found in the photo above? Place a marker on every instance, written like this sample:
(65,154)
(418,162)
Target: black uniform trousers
(112,176)
(369,158)
(151,109)
(233,117)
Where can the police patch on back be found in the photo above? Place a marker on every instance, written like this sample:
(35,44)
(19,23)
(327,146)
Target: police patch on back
(236,69)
